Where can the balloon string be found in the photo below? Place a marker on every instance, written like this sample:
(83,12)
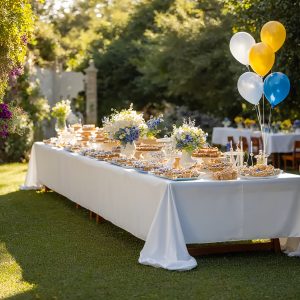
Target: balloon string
(258,114)
(263,134)
(269,126)
(263,120)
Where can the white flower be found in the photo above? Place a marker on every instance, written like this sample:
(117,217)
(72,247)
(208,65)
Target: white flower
(126,118)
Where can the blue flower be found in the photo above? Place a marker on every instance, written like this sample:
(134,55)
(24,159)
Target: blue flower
(296,124)
(153,123)
(127,134)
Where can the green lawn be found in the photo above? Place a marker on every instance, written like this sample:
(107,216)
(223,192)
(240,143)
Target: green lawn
(50,250)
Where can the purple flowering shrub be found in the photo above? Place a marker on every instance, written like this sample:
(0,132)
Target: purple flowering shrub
(11,120)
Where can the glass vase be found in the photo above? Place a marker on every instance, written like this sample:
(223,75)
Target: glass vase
(186,159)
(60,125)
(128,150)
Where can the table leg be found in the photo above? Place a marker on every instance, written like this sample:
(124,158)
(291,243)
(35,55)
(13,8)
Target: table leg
(276,245)
(47,189)
(99,219)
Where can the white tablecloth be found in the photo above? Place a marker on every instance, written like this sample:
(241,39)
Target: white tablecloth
(220,134)
(281,142)
(168,214)
(275,142)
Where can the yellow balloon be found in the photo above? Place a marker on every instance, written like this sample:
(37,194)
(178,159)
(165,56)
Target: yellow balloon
(273,33)
(261,58)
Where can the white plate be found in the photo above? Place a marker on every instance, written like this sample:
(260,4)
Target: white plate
(141,171)
(175,179)
(258,177)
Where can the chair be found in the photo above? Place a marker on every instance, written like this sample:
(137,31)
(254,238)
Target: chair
(293,157)
(231,139)
(245,143)
(256,144)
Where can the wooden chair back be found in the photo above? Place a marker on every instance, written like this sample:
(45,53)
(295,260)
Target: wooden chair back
(231,139)
(245,143)
(256,144)
(297,147)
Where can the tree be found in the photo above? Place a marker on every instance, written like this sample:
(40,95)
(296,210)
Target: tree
(170,50)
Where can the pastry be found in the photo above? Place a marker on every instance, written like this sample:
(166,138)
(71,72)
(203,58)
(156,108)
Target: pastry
(226,174)
(260,170)
(207,152)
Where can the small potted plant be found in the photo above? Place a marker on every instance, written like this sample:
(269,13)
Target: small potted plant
(226,122)
(286,125)
(249,123)
(239,122)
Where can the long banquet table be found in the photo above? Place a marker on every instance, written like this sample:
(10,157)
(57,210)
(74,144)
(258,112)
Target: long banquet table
(169,214)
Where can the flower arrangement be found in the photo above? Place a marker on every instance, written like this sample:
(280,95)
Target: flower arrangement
(249,122)
(125,125)
(296,124)
(153,125)
(61,110)
(276,126)
(127,134)
(286,124)
(226,122)
(238,120)
(188,137)
(10,120)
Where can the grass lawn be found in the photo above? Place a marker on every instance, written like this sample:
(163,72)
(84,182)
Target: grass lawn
(50,250)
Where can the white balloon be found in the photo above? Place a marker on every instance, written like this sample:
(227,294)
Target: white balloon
(250,86)
(239,45)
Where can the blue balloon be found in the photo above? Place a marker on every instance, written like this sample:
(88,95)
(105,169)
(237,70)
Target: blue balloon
(276,87)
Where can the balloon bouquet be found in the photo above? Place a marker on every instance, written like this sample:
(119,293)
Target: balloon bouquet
(261,57)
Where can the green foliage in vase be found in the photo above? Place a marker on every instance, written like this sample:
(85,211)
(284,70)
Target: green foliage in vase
(61,110)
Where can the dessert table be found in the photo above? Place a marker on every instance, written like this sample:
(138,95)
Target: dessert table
(167,214)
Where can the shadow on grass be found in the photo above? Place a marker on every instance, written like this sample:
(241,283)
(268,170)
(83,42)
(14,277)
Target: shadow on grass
(67,256)
(59,249)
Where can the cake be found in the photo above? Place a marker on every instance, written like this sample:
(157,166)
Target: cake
(260,170)
(76,126)
(228,173)
(148,148)
(88,127)
(207,152)
(217,165)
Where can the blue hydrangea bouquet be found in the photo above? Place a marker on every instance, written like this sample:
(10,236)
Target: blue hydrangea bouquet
(125,126)
(188,137)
